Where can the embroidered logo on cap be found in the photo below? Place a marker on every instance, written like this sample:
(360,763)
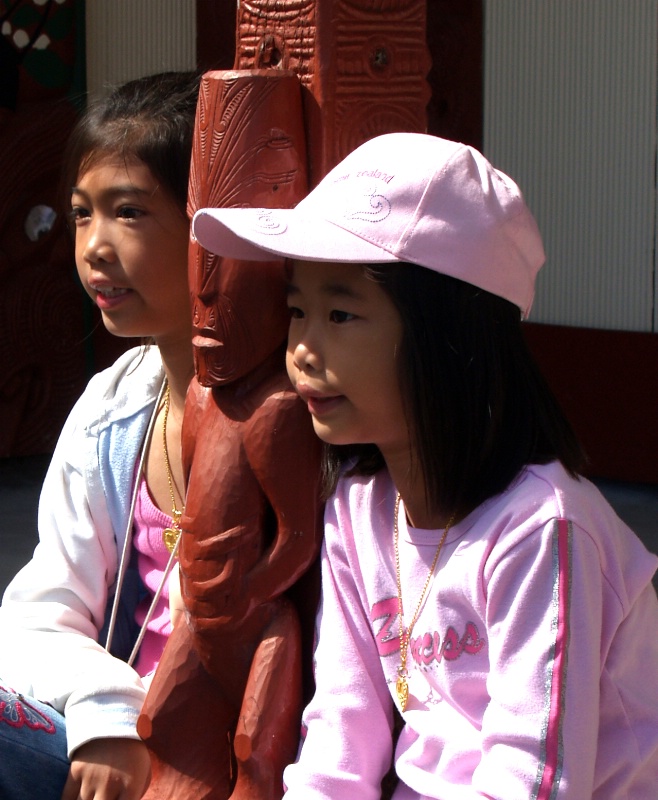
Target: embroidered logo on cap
(378,207)
(266,222)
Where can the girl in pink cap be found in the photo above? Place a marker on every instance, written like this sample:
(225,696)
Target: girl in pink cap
(488,626)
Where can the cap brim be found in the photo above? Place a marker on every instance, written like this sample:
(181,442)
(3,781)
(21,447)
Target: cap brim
(255,234)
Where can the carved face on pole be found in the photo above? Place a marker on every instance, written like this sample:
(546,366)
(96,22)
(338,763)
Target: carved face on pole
(239,309)
(239,315)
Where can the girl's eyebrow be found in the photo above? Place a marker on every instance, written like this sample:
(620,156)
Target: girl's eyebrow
(113,191)
(330,289)
(341,290)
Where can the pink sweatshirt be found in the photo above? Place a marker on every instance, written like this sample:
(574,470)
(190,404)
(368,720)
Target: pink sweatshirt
(533,664)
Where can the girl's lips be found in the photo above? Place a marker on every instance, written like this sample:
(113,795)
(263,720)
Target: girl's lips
(110,296)
(319,404)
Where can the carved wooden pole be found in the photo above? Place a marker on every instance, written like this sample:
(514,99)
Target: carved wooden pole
(222,717)
(362,65)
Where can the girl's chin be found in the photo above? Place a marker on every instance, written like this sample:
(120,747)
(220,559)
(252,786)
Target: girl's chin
(121,329)
(330,435)
(322,432)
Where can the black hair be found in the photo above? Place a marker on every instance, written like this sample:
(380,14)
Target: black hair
(151,119)
(477,406)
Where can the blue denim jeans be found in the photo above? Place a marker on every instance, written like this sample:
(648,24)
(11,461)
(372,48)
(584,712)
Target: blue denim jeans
(33,759)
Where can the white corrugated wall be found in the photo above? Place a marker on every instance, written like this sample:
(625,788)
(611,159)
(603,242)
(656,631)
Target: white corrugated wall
(127,39)
(570,113)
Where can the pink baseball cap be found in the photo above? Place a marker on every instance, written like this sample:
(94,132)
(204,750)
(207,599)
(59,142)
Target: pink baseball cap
(400,197)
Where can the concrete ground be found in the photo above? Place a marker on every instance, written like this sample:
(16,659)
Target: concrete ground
(20,482)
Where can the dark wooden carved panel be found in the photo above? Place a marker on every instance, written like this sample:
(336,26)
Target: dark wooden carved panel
(43,348)
(607,383)
(215,36)
(42,332)
(454,38)
(41,311)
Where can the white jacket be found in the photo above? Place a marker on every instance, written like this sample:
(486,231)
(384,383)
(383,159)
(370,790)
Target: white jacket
(54,609)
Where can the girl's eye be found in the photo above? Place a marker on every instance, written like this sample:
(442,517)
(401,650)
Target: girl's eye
(129,212)
(340,316)
(78,213)
(295,313)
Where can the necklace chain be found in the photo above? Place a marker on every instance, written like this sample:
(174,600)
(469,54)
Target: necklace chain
(402,686)
(170,535)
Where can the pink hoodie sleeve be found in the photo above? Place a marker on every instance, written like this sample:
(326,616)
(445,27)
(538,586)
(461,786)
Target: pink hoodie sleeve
(565,642)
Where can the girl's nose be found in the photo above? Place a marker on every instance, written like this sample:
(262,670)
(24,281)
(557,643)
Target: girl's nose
(96,246)
(306,357)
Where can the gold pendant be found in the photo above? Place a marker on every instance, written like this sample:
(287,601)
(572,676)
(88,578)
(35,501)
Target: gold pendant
(402,688)
(170,537)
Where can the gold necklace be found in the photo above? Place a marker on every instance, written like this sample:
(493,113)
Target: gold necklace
(402,685)
(170,535)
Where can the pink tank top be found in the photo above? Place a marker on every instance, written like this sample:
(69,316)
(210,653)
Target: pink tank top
(152,557)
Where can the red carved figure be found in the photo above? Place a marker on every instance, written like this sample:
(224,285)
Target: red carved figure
(252,519)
